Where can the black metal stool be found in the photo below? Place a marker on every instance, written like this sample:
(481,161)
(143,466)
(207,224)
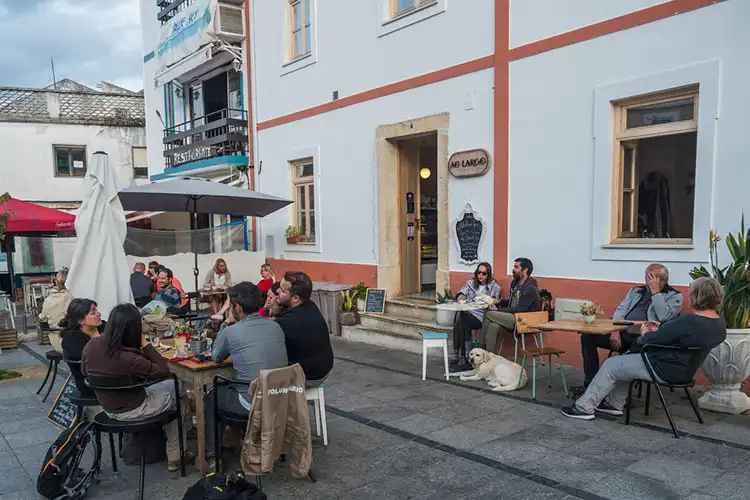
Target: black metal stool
(54,359)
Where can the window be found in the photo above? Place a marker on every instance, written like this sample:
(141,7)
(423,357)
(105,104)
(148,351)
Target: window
(301,31)
(140,163)
(655,147)
(304,199)
(404,7)
(70,161)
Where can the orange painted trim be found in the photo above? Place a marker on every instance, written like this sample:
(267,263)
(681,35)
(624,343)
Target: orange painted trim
(346,274)
(614,25)
(502,136)
(386,90)
(251,132)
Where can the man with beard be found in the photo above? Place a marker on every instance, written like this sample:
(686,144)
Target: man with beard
(305,330)
(524,297)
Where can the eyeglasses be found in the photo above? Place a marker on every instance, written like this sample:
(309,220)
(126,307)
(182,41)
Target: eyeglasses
(482,273)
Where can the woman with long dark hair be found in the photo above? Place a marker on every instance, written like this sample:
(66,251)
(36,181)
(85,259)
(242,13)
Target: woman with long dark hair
(481,284)
(123,350)
(80,324)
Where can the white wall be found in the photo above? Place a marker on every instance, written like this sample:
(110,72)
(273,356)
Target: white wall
(552,146)
(28,169)
(345,144)
(354,54)
(154,96)
(532,20)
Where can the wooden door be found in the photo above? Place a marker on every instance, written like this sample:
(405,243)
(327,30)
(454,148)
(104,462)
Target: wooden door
(409,220)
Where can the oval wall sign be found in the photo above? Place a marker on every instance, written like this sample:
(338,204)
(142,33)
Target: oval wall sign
(472,163)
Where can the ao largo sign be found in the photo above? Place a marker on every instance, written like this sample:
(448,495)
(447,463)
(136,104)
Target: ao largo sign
(472,163)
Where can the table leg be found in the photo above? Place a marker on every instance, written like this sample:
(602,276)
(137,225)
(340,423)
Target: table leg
(200,430)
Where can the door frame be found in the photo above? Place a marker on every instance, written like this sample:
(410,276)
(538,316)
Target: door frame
(390,230)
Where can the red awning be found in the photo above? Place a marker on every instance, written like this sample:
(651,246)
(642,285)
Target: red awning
(27,217)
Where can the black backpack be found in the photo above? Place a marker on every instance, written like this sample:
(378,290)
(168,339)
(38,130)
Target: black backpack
(232,486)
(61,476)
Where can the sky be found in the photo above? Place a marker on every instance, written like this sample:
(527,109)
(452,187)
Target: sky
(89,40)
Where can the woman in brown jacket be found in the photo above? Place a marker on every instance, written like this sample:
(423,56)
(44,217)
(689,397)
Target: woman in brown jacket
(124,351)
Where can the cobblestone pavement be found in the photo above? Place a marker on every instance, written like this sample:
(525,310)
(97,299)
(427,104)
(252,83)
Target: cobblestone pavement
(391,435)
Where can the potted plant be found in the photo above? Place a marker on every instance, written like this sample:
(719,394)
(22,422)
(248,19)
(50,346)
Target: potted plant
(546,302)
(292,235)
(728,364)
(348,308)
(445,314)
(361,292)
(589,310)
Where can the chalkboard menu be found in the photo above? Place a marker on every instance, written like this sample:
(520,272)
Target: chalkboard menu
(63,412)
(375,300)
(469,233)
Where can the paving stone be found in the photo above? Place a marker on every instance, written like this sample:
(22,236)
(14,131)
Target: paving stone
(11,390)
(390,394)
(715,455)
(13,477)
(394,488)
(422,424)
(24,439)
(567,469)
(549,436)
(385,413)
(625,485)
(510,452)
(459,413)
(353,402)
(684,476)
(461,436)
(728,431)
(730,486)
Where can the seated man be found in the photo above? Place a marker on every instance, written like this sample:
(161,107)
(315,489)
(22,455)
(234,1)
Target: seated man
(308,341)
(608,391)
(524,297)
(141,285)
(254,344)
(656,301)
(166,280)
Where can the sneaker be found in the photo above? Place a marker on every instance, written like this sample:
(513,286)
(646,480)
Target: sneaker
(175,466)
(574,412)
(605,407)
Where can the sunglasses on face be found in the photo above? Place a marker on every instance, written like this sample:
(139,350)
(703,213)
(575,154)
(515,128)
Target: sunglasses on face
(482,273)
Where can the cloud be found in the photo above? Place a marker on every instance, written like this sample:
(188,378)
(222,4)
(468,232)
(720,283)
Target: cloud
(89,40)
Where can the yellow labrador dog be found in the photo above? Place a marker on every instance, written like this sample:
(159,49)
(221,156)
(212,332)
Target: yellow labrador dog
(501,374)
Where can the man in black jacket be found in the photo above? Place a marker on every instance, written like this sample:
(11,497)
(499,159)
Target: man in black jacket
(524,297)
(305,330)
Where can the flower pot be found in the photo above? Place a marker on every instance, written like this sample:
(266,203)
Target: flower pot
(293,240)
(726,367)
(348,318)
(444,316)
(589,319)
(361,305)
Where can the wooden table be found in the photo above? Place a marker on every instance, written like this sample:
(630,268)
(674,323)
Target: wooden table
(599,327)
(198,375)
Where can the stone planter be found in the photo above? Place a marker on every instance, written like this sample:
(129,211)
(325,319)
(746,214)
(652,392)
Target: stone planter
(361,305)
(445,315)
(589,319)
(348,318)
(8,339)
(726,367)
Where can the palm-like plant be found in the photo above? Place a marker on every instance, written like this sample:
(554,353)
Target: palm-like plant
(4,215)
(734,278)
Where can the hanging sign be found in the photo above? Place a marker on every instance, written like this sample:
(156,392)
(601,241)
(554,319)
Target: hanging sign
(472,163)
(470,231)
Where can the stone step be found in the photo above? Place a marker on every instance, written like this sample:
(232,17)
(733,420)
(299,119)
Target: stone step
(389,340)
(406,327)
(413,309)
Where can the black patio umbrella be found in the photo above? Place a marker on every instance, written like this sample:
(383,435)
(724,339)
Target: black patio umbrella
(199,196)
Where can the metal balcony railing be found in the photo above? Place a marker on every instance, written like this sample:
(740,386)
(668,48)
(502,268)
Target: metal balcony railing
(170,8)
(221,133)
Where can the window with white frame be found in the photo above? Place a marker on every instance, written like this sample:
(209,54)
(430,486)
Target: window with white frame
(655,161)
(304,199)
(300,29)
(405,7)
(140,163)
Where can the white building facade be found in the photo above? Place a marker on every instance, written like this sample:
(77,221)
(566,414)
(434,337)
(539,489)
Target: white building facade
(592,137)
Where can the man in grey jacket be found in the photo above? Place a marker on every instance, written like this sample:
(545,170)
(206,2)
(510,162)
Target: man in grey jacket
(254,344)
(656,301)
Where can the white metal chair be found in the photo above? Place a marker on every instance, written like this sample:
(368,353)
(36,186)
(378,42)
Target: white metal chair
(6,304)
(317,395)
(434,339)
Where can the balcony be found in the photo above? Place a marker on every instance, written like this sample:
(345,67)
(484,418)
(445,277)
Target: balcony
(217,134)
(170,8)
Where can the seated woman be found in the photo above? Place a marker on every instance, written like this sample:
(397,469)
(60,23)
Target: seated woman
(267,279)
(466,321)
(81,324)
(124,351)
(272,307)
(56,304)
(607,392)
(217,277)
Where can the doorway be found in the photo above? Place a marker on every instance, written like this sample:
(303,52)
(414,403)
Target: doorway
(413,207)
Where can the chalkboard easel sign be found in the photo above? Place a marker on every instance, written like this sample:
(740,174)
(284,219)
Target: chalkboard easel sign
(375,300)
(63,412)
(470,230)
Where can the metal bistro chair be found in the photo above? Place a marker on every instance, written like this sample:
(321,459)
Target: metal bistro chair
(54,359)
(82,402)
(221,416)
(522,329)
(698,356)
(103,423)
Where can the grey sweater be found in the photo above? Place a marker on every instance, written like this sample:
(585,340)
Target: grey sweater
(254,343)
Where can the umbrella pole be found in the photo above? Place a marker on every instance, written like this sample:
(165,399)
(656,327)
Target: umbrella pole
(195,250)
(9,259)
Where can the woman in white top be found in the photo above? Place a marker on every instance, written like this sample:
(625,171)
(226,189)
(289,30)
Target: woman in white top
(56,304)
(218,276)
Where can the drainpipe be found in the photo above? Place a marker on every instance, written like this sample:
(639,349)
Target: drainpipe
(250,121)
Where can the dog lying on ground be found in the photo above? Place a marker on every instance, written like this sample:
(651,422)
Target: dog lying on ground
(501,374)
